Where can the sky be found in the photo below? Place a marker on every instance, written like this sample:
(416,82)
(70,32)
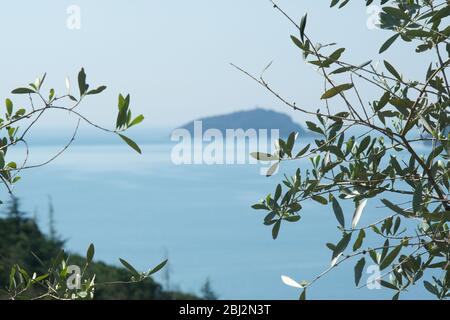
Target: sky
(174,57)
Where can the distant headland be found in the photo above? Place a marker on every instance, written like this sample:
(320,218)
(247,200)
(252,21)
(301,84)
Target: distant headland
(257,118)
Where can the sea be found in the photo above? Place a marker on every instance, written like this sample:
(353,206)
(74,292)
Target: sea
(145,208)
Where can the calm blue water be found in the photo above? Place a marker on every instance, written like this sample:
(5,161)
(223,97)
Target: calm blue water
(142,207)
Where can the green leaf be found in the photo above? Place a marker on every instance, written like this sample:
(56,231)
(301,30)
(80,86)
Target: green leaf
(40,278)
(392,70)
(337,54)
(303,26)
(341,70)
(2,159)
(397,224)
(395,208)
(96,91)
(20,112)
(9,106)
(431,288)
(137,120)
(82,81)
(359,241)
(131,143)
(388,285)
(259,206)
(23,91)
(331,246)
(442,13)
(313,127)
(303,151)
(297,42)
(51,94)
(333,3)
(290,143)
(385,250)
(338,212)
(12,165)
(364,144)
(157,268)
(276,229)
(437,216)
(292,218)
(417,198)
(336,151)
(383,101)
(129,267)
(336,90)
(359,267)
(277,193)
(342,245)
(320,199)
(388,43)
(375,257)
(390,257)
(16,179)
(90,253)
(396,12)
(303,295)
(123,106)
(12,281)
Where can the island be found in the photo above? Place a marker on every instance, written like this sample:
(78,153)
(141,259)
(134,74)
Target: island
(257,118)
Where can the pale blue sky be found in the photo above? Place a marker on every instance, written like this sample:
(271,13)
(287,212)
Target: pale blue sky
(173,56)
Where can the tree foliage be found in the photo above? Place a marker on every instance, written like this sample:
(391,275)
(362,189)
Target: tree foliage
(17,122)
(15,127)
(414,238)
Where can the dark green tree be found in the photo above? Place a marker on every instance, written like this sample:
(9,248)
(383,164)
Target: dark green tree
(51,220)
(27,248)
(207,291)
(14,214)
